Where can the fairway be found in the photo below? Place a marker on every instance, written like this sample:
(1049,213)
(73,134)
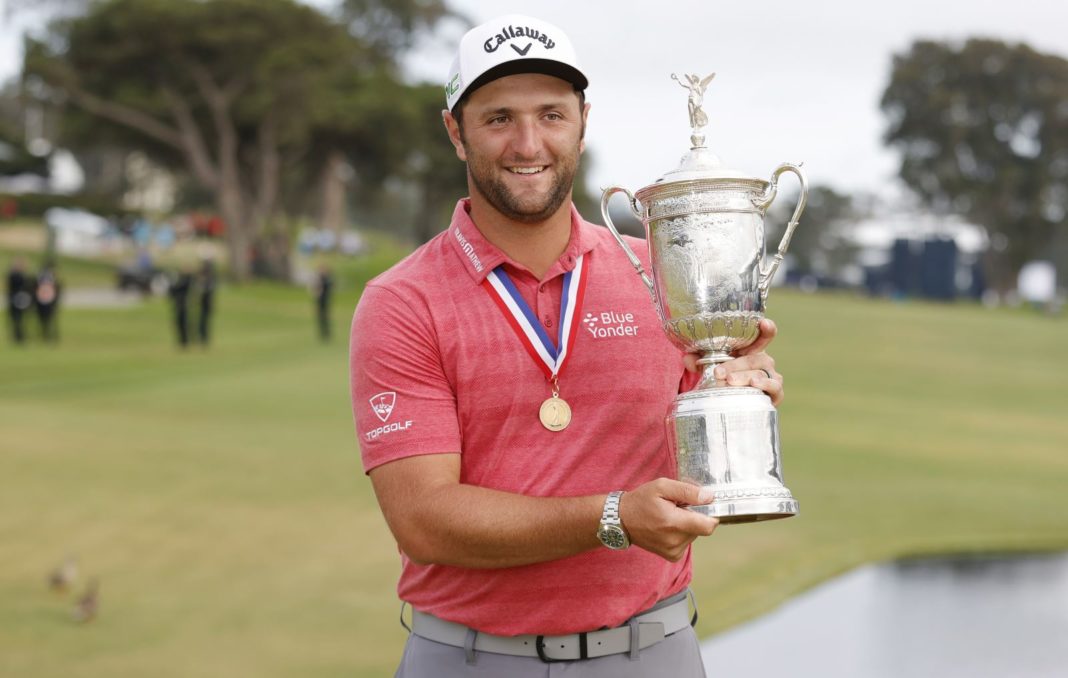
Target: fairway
(218,495)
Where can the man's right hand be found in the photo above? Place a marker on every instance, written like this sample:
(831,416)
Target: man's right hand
(654,519)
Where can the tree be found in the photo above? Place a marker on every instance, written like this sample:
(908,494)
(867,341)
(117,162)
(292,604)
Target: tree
(434,171)
(393,25)
(237,92)
(819,245)
(350,158)
(390,138)
(983,131)
(15,158)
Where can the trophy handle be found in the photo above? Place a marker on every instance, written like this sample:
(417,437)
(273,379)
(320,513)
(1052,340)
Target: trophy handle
(633,204)
(768,273)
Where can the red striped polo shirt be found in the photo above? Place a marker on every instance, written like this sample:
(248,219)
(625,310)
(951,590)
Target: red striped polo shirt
(435,368)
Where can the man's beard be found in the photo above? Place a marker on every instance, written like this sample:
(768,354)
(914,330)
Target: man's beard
(532,210)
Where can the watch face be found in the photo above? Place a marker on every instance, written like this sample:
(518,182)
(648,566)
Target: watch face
(613,537)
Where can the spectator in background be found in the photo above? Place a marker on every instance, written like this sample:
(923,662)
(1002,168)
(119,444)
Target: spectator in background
(322,289)
(19,298)
(144,270)
(9,209)
(179,292)
(206,282)
(46,298)
(144,261)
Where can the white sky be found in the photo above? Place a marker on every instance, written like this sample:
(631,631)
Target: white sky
(796,81)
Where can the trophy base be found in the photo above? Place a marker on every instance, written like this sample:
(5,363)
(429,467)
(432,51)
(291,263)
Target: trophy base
(726,439)
(748,510)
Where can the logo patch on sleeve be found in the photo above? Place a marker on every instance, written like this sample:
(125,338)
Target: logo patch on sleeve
(382,404)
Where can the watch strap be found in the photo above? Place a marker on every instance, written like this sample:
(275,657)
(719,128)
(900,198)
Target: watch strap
(611,508)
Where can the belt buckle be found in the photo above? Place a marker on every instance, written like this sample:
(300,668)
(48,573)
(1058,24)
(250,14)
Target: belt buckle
(539,646)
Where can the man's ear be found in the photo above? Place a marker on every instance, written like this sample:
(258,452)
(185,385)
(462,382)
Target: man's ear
(453,128)
(585,116)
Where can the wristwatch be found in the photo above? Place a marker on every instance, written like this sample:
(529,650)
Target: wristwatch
(611,531)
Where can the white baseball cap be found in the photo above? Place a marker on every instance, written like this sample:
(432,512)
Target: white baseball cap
(508,45)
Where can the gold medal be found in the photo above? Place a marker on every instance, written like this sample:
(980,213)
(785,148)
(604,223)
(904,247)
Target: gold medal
(555,413)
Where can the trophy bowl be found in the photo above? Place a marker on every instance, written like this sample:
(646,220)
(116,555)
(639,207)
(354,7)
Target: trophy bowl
(706,244)
(705,227)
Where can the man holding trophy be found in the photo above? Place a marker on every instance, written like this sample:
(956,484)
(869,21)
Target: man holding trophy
(520,456)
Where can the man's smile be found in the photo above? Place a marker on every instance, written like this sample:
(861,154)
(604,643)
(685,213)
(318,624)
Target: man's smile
(527,170)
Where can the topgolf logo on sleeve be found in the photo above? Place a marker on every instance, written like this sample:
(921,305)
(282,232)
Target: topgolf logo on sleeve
(382,405)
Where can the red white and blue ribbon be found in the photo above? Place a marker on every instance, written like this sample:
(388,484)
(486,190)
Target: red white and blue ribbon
(548,355)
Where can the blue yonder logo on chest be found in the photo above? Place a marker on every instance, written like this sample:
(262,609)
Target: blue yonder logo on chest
(516,33)
(611,324)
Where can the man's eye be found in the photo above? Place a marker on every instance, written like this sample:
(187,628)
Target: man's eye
(553,116)
(499,120)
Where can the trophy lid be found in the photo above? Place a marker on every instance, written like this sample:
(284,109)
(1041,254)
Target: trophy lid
(700,162)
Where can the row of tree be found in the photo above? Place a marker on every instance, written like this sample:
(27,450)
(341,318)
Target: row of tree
(274,110)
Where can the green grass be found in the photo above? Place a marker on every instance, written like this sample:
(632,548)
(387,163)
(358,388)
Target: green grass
(908,429)
(219,498)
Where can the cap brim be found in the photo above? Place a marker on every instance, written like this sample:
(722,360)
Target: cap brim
(517,66)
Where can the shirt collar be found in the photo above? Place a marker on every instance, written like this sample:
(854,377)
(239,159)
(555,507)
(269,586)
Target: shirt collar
(480,256)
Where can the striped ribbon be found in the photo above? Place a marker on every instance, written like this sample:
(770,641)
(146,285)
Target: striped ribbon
(549,356)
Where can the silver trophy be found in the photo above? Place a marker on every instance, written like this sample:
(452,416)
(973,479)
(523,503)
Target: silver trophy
(704,226)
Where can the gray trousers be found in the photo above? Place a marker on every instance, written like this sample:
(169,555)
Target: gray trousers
(677,656)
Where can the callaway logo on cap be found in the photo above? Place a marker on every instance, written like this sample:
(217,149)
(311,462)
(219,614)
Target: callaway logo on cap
(506,46)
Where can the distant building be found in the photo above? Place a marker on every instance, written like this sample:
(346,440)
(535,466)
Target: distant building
(921,256)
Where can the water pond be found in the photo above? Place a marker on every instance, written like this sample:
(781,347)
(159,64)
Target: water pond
(996,616)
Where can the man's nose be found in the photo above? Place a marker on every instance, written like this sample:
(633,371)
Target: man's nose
(526,142)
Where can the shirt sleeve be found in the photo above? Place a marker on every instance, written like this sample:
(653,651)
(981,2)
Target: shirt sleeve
(403,404)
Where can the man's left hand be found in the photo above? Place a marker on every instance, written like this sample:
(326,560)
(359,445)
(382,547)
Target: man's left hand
(751,366)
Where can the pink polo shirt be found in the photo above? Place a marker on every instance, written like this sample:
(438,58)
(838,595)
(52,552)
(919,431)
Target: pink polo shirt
(435,368)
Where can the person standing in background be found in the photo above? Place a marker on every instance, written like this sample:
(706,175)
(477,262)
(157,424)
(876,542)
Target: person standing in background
(19,298)
(323,287)
(180,288)
(46,298)
(206,294)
